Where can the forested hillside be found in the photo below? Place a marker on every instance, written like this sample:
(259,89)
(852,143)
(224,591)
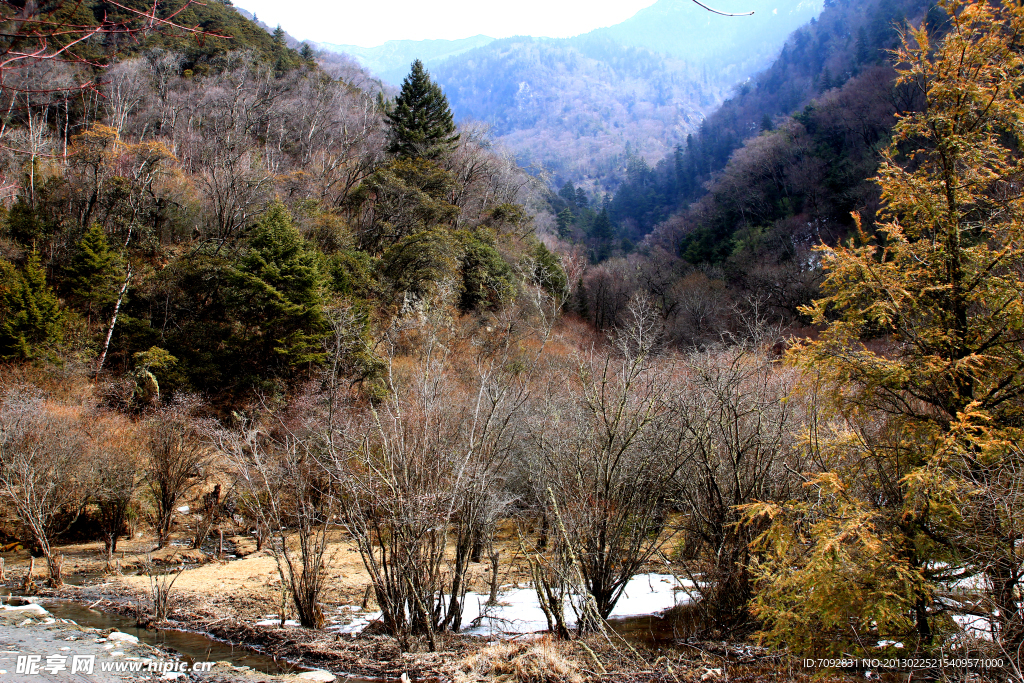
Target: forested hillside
(201,217)
(776,170)
(292,362)
(573,108)
(391,60)
(576,109)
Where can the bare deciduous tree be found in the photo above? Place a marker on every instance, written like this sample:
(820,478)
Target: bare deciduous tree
(115,477)
(736,423)
(41,449)
(177,461)
(609,465)
(291,494)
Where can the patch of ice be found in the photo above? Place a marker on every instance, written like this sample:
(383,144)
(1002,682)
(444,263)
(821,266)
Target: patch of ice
(124,637)
(357,624)
(184,509)
(650,594)
(317,675)
(27,609)
(518,610)
(277,622)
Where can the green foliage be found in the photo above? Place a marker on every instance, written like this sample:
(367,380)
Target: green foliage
(548,272)
(276,296)
(932,412)
(420,122)
(401,198)
(32,322)
(95,272)
(602,233)
(417,263)
(831,580)
(353,273)
(24,224)
(154,358)
(487,279)
(565,220)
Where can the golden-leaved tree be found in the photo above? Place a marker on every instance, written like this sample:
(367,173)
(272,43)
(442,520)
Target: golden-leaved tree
(919,374)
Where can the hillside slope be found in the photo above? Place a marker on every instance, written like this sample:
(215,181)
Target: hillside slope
(734,46)
(391,60)
(578,108)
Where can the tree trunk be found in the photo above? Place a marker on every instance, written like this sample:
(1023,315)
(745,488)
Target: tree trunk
(55,566)
(113,320)
(493,598)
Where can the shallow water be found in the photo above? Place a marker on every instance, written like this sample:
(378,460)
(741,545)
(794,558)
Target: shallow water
(193,647)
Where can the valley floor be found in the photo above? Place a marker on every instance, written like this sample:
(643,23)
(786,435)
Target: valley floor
(237,600)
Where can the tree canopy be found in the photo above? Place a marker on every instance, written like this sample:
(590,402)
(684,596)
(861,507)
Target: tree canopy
(420,121)
(925,419)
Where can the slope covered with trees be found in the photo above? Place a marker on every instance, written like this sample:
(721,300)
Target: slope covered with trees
(577,108)
(221,214)
(733,214)
(266,304)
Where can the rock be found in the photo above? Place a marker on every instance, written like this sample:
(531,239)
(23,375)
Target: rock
(316,675)
(124,637)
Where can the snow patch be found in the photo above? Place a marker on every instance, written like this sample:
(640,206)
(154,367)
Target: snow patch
(277,622)
(518,610)
(975,626)
(27,609)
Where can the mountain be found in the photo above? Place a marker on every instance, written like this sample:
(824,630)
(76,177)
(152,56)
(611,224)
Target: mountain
(730,218)
(391,60)
(743,44)
(579,108)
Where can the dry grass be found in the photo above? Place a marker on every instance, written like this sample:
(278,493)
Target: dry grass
(538,661)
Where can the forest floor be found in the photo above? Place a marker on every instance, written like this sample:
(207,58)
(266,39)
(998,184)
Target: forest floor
(237,599)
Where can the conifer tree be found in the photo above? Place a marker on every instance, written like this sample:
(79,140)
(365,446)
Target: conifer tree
(32,319)
(95,272)
(421,124)
(565,220)
(277,288)
(923,459)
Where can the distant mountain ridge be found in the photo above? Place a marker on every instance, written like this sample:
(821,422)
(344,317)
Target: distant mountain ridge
(579,108)
(391,60)
(683,29)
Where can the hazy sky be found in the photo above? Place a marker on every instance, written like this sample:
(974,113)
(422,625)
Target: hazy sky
(371,22)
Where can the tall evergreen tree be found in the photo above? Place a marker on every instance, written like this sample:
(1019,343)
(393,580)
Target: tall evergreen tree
(95,272)
(565,220)
(923,457)
(32,319)
(420,121)
(277,289)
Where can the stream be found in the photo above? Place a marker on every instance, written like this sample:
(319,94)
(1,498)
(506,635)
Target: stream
(193,647)
(651,630)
